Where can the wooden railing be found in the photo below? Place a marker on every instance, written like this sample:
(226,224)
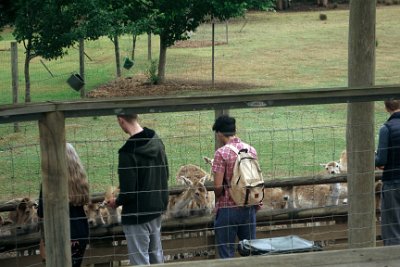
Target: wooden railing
(193,238)
(142,105)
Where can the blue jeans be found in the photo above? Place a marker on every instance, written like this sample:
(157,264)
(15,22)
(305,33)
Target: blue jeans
(390,214)
(232,222)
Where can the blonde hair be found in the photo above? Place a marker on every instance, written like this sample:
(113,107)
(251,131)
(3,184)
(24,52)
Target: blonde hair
(78,185)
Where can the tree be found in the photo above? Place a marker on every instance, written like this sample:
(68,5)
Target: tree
(90,20)
(261,4)
(7,13)
(121,17)
(48,27)
(116,20)
(45,29)
(175,19)
(140,16)
(91,24)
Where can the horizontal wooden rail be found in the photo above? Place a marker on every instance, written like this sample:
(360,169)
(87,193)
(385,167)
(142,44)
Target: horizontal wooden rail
(141,105)
(282,182)
(188,223)
(366,257)
(178,234)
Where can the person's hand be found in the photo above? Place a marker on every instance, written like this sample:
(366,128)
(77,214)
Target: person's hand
(379,168)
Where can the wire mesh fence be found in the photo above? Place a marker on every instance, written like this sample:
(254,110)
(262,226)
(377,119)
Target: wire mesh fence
(290,141)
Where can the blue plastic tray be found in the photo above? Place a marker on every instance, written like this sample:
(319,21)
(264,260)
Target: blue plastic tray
(276,245)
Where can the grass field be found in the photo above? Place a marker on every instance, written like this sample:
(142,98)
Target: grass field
(272,50)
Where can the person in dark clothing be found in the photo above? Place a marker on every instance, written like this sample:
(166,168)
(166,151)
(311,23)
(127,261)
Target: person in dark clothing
(143,181)
(388,158)
(78,191)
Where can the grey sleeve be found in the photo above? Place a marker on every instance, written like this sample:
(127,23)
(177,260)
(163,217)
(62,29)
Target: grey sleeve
(381,153)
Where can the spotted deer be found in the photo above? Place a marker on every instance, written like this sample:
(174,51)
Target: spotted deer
(378,192)
(339,190)
(114,214)
(24,218)
(96,214)
(100,213)
(194,200)
(275,198)
(191,172)
(309,196)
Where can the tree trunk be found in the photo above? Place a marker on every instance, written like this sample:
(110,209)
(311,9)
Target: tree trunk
(162,61)
(14,75)
(323,3)
(279,4)
(360,125)
(27,77)
(213,54)
(82,64)
(117,56)
(134,37)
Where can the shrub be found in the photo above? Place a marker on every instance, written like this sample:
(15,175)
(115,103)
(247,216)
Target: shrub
(323,16)
(151,72)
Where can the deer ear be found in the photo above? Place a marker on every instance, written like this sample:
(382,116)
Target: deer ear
(203,179)
(208,160)
(322,164)
(186,181)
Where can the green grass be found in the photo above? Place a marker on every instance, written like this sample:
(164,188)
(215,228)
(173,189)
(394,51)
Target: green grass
(273,50)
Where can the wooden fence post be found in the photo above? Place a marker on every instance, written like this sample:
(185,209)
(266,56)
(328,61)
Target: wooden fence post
(213,53)
(82,64)
(55,190)
(149,46)
(226,32)
(360,125)
(14,74)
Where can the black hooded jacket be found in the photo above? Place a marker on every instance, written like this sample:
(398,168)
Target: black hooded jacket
(143,178)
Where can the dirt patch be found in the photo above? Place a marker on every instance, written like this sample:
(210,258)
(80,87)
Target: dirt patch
(195,44)
(140,87)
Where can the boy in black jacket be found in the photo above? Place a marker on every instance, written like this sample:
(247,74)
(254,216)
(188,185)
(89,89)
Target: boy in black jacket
(143,180)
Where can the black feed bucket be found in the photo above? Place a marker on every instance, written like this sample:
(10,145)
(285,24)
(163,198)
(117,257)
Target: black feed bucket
(76,81)
(128,63)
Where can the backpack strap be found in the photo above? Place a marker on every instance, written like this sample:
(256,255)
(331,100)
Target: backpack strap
(234,149)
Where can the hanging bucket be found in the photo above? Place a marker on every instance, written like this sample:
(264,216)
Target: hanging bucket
(76,81)
(128,63)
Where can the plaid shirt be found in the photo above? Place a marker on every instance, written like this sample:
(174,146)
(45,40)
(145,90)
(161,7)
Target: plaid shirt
(224,161)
